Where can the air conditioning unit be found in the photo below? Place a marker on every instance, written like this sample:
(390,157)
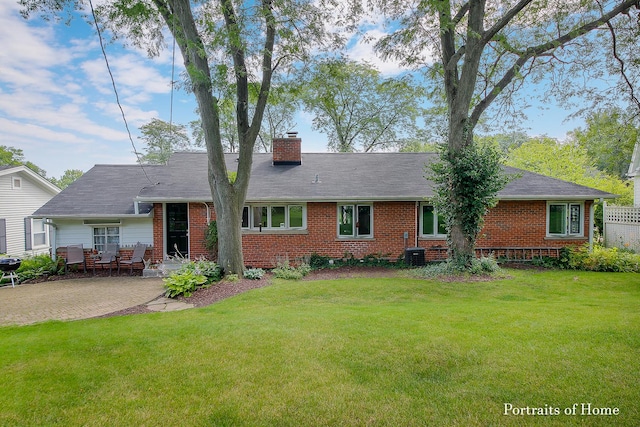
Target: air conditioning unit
(414,256)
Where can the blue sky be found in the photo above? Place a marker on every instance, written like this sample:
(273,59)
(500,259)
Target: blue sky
(57,103)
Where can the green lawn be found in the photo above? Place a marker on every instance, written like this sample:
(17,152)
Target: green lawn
(389,352)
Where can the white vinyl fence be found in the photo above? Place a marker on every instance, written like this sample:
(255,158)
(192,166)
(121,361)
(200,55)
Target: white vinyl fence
(622,227)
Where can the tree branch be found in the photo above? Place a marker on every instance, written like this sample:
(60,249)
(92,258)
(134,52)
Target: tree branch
(504,21)
(622,70)
(542,49)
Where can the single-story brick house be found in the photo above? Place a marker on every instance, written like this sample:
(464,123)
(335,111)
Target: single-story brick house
(299,203)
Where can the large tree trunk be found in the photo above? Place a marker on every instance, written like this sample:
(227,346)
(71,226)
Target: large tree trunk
(229,221)
(228,198)
(459,88)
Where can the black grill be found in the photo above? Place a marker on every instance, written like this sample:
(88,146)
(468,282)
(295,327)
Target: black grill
(10,264)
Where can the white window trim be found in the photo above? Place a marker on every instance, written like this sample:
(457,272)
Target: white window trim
(33,235)
(435,236)
(355,234)
(287,207)
(105,226)
(16,183)
(568,233)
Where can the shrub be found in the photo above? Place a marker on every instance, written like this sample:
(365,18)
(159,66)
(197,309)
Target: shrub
(209,269)
(37,266)
(232,278)
(183,282)
(548,262)
(317,261)
(603,259)
(288,272)
(211,237)
(254,273)
(487,264)
(484,265)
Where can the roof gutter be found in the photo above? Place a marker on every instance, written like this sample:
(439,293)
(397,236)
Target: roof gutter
(412,198)
(93,216)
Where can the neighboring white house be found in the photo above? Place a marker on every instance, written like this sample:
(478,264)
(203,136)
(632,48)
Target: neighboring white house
(634,173)
(22,192)
(622,223)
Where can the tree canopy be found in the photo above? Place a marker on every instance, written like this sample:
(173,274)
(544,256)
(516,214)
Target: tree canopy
(12,156)
(69,176)
(358,109)
(161,139)
(609,139)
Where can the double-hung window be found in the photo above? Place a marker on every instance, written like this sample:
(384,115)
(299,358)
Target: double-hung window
(104,235)
(565,219)
(273,217)
(432,224)
(35,234)
(39,232)
(355,221)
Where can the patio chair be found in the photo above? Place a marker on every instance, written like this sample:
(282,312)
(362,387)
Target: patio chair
(108,256)
(137,257)
(75,255)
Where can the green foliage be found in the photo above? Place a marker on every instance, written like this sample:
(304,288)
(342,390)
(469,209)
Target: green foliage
(37,266)
(482,266)
(211,237)
(467,183)
(162,139)
(569,162)
(609,139)
(209,269)
(549,262)
(11,156)
(232,278)
(190,276)
(253,273)
(603,259)
(183,282)
(358,109)
(317,261)
(289,272)
(503,141)
(70,176)
(598,259)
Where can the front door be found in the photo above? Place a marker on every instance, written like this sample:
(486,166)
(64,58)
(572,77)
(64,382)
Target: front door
(177,227)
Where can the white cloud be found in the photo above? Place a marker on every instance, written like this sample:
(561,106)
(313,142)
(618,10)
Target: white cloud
(363,50)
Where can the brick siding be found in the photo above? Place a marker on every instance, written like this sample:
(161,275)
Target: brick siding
(510,224)
(287,150)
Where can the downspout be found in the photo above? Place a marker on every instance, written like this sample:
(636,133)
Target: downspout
(206,205)
(592,222)
(417,225)
(602,232)
(53,239)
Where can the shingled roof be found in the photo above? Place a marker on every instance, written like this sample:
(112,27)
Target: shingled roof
(110,190)
(104,191)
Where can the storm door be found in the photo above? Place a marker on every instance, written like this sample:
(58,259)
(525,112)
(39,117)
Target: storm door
(177,227)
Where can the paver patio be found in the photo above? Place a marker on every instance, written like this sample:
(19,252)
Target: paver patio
(75,298)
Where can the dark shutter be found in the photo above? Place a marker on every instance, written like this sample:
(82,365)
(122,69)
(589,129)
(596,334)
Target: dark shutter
(27,234)
(3,236)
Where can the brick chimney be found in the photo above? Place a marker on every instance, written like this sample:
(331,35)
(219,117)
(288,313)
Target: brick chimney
(287,151)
